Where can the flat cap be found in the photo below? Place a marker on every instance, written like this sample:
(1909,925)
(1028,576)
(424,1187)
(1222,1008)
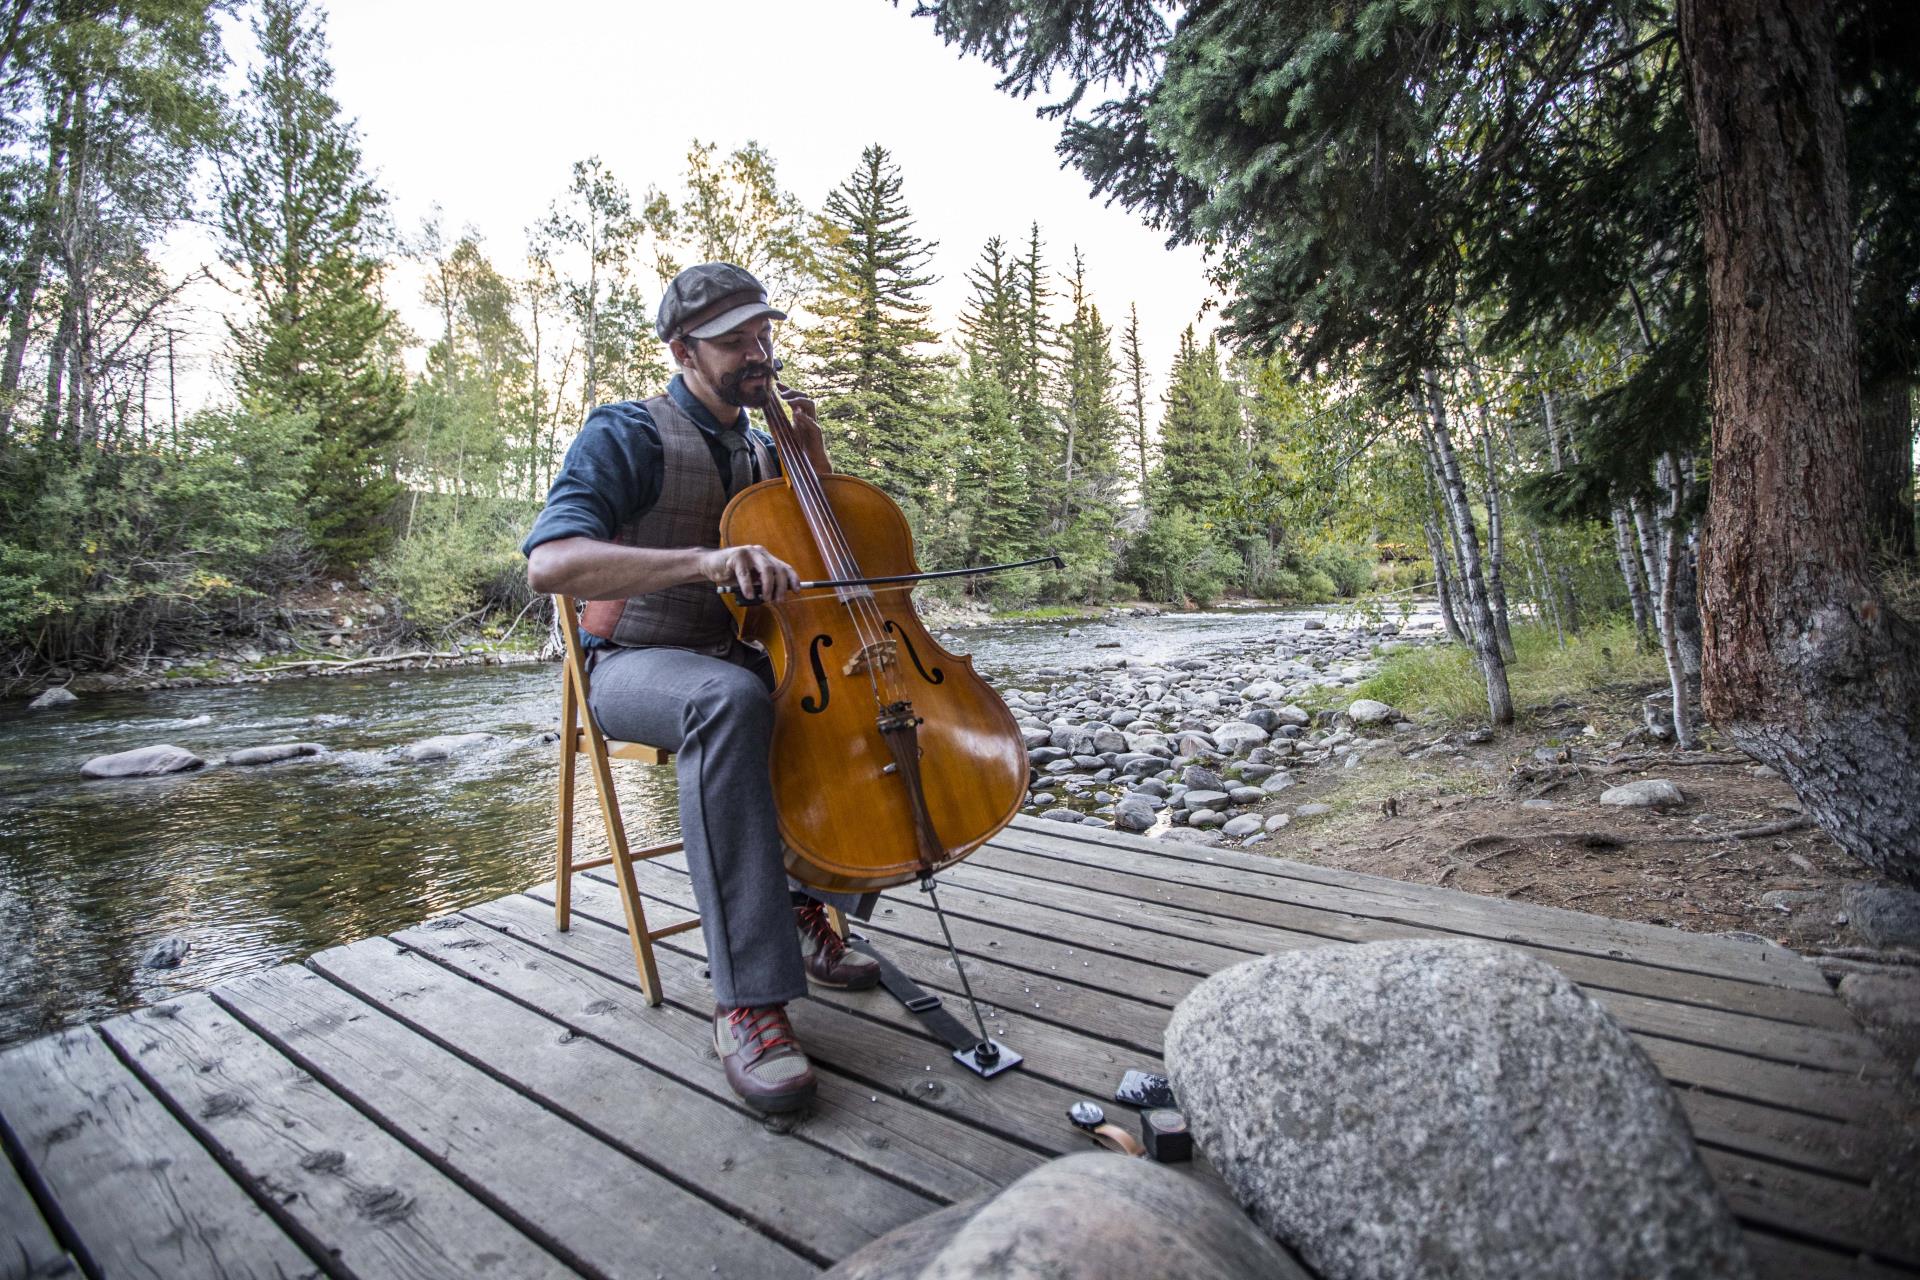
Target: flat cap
(707,300)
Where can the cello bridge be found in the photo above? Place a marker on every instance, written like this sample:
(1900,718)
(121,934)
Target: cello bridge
(882,655)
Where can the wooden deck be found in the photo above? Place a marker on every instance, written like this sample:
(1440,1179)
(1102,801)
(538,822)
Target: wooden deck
(484,1096)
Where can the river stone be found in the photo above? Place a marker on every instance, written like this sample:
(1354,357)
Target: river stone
(1312,810)
(1133,813)
(1643,794)
(1035,737)
(1205,818)
(1244,825)
(1203,778)
(54,697)
(142,762)
(166,953)
(1367,711)
(1203,798)
(1152,787)
(1061,815)
(1038,756)
(1081,1217)
(1292,715)
(277,752)
(1884,915)
(1105,740)
(1278,822)
(1246,795)
(1443,1108)
(443,747)
(1061,766)
(1277,783)
(1192,835)
(1237,736)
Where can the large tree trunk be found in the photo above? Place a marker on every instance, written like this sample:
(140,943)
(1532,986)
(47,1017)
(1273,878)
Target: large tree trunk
(1887,422)
(1486,639)
(1805,667)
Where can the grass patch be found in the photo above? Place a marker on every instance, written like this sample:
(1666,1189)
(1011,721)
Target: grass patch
(1441,681)
(1359,791)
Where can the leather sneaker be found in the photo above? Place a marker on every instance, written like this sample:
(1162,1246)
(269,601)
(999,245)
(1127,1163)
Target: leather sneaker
(828,959)
(762,1060)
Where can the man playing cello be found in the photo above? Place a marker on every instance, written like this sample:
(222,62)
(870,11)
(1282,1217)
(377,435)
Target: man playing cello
(631,525)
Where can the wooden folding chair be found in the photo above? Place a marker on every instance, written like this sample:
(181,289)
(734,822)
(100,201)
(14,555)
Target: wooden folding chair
(579,735)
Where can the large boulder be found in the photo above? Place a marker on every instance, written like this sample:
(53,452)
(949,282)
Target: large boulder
(1443,1108)
(1885,915)
(1134,812)
(54,697)
(1091,1216)
(142,762)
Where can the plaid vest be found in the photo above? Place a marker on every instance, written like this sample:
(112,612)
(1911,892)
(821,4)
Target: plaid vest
(687,514)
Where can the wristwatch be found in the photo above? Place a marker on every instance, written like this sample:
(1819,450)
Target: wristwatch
(1089,1116)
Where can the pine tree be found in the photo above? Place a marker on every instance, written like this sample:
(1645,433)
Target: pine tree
(1199,433)
(877,384)
(1133,370)
(993,481)
(301,222)
(1090,472)
(1037,354)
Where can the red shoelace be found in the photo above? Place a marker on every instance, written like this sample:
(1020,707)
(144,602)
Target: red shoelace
(813,918)
(767,1028)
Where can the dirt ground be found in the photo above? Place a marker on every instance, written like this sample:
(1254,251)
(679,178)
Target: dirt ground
(1503,819)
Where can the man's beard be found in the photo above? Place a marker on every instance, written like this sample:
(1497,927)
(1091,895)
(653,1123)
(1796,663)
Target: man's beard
(730,385)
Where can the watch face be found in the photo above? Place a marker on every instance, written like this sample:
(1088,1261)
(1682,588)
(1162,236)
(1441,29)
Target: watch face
(1086,1114)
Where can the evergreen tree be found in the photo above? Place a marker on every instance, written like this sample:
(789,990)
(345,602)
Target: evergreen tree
(1133,371)
(993,485)
(1035,357)
(1199,433)
(1090,472)
(300,221)
(877,384)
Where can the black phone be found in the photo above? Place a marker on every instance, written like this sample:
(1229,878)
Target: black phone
(1144,1089)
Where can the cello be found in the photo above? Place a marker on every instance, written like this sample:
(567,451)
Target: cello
(893,758)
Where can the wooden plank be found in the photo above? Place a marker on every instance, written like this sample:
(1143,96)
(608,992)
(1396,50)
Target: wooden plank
(1242,894)
(1500,920)
(375,1205)
(1814,1093)
(1778,1257)
(1087,1066)
(579,1193)
(1845,1216)
(866,1034)
(28,1250)
(808,1198)
(944,1160)
(138,1193)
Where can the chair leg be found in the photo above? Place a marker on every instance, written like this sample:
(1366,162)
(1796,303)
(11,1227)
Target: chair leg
(563,859)
(623,869)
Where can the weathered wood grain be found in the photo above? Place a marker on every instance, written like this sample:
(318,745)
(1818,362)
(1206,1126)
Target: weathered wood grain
(809,1199)
(378,1206)
(28,1250)
(141,1196)
(943,1160)
(1499,919)
(521,1158)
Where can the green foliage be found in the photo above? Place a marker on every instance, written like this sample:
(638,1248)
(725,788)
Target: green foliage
(1348,570)
(455,556)
(301,223)
(1176,559)
(1441,680)
(105,553)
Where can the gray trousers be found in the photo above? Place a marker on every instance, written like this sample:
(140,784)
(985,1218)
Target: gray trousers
(715,715)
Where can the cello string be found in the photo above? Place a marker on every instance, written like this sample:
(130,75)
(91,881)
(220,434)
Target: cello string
(830,539)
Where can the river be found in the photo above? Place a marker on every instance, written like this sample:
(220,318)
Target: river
(255,867)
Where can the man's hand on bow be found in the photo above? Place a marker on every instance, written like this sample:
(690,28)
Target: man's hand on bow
(759,576)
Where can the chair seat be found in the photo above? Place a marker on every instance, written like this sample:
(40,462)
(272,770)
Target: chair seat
(619,750)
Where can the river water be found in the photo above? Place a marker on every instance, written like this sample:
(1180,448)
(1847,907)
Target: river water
(255,867)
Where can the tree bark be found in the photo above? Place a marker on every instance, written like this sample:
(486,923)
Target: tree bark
(1623,550)
(1453,488)
(1805,666)
(1887,421)
(1437,548)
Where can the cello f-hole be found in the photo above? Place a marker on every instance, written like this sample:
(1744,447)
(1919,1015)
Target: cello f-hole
(934,676)
(809,704)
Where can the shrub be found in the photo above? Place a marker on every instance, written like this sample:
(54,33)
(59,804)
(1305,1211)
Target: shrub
(1175,558)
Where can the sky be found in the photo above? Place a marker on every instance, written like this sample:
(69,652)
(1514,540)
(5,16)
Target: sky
(482,107)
